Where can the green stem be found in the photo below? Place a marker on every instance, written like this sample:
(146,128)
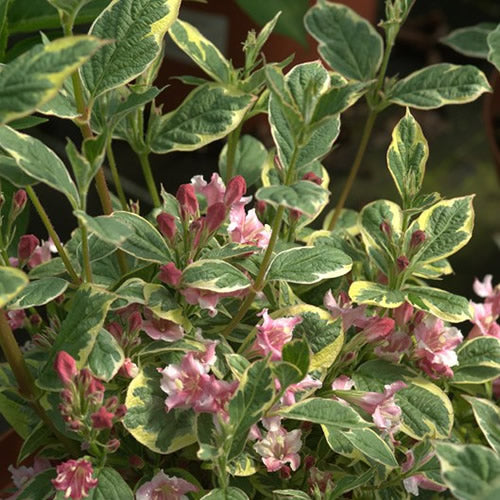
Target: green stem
(148,176)
(85,253)
(25,380)
(52,233)
(367,131)
(114,173)
(232,143)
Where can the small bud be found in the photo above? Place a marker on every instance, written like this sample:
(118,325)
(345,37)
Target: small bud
(417,238)
(115,329)
(135,207)
(402,262)
(128,369)
(306,426)
(260,208)
(102,419)
(197,228)
(166,223)
(67,396)
(111,403)
(295,215)
(19,202)
(216,214)
(95,386)
(112,445)
(27,245)
(75,425)
(120,412)
(236,188)
(35,320)
(285,472)
(309,461)
(170,275)
(65,367)
(134,321)
(386,228)
(312,177)
(186,197)
(136,462)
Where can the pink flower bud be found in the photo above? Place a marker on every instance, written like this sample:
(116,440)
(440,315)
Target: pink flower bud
(170,275)
(65,367)
(285,472)
(75,425)
(417,238)
(260,208)
(19,201)
(295,215)
(402,262)
(216,214)
(386,228)
(112,445)
(134,321)
(166,223)
(67,395)
(95,386)
(312,177)
(136,462)
(35,320)
(102,419)
(236,188)
(186,197)
(120,412)
(197,228)
(115,329)
(128,369)
(27,245)
(309,461)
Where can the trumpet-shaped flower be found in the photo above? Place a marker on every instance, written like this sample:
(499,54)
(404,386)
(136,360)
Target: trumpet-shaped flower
(74,478)
(163,487)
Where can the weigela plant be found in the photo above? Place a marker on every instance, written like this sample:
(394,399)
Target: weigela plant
(221,346)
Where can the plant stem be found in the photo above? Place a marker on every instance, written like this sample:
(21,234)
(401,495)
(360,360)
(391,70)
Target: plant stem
(232,143)
(85,253)
(148,176)
(52,233)
(114,173)
(367,131)
(25,380)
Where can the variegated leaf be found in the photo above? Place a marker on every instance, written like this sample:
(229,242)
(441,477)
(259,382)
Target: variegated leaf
(12,282)
(478,361)
(367,292)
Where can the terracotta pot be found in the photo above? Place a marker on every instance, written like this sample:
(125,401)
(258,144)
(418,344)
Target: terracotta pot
(10,444)
(491,113)
(224,23)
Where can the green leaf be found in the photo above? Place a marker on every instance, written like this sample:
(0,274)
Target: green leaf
(69,7)
(347,42)
(290,21)
(10,171)
(249,403)
(304,196)
(229,493)
(160,300)
(201,50)
(35,77)
(20,416)
(147,420)
(478,361)
(40,436)
(84,172)
(249,159)
(209,113)
(110,486)
(214,275)
(407,156)
(375,294)
(39,293)
(35,159)
(494,47)
(487,416)
(78,332)
(106,356)
(38,487)
(372,445)
(307,265)
(471,471)
(12,282)
(129,232)
(438,85)
(470,41)
(325,412)
(137,28)
(297,353)
(288,494)
(349,482)
(447,226)
(444,305)
(4,27)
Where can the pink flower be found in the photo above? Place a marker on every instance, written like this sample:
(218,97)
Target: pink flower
(21,475)
(394,346)
(42,253)
(188,202)
(167,225)
(102,419)
(412,483)
(246,228)
(26,246)
(435,347)
(273,334)
(170,275)
(344,308)
(163,487)
(216,215)
(403,314)
(128,369)
(74,478)
(377,328)
(161,329)
(485,321)
(207,299)
(65,366)
(305,384)
(484,289)
(19,201)
(236,188)
(342,383)
(319,480)
(213,191)
(16,318)
(279,447)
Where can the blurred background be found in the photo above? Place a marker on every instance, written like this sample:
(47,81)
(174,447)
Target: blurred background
(460,137)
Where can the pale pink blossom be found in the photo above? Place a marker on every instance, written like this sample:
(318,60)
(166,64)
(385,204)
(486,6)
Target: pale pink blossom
(161,329)
(413,483)
(435,349)
(208,300)
(42,253)
(485,321)
(344,308)
(320,481)
(376,329)
(213,191)
(128,369)
(16,318)
(21,475)
(74,478)
(403,314)
(394,346)
(246,228)
(342,383)
(163,487)
(484,289)
(306,384)
(279,447)
(273,334)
